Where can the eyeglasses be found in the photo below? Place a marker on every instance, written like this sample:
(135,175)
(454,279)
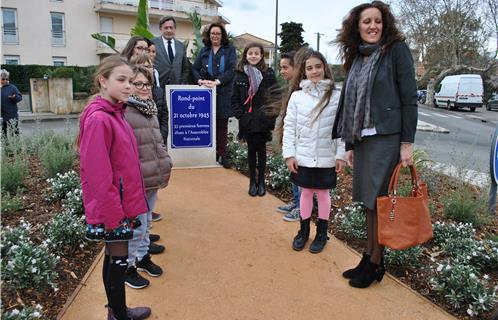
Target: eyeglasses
(141,85)
(142,48)
(148,66)
(215,33)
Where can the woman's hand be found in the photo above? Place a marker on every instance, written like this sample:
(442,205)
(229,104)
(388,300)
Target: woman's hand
(406,154)
(350,158)
(291,164)
(340,165)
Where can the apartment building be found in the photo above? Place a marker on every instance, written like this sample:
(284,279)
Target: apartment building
(242,40)
(57,32)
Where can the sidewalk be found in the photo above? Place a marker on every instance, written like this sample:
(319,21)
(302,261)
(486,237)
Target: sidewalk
(228,256)
(26,116)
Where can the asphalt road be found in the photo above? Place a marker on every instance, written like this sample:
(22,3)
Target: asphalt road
(468,143)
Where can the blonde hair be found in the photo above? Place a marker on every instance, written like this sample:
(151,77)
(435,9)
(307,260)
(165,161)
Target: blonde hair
(140,59)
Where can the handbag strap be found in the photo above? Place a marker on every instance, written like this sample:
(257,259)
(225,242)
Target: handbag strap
(395,177)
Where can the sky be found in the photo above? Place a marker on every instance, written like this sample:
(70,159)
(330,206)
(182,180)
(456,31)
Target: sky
(257,17)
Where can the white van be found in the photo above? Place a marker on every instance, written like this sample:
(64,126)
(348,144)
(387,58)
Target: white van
(460,91)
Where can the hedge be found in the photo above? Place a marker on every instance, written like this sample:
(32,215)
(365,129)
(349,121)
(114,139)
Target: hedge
(20,75)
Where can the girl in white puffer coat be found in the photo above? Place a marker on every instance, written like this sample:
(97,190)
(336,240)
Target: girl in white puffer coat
(311,155)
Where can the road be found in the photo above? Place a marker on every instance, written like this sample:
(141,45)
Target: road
(468,143)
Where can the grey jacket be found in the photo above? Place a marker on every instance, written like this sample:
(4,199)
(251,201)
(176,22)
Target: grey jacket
(394,95)
(171,72)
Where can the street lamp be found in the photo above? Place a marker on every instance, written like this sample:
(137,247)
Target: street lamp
(276,35)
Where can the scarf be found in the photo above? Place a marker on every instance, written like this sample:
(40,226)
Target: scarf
(211,62)
(255,78)
(357,114)
(147,107)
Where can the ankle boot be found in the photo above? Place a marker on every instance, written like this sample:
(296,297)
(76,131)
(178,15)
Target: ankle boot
(261,187)
(321,236)
(371,272)
(353,273)
(138,313)
(253,188)
(302,235)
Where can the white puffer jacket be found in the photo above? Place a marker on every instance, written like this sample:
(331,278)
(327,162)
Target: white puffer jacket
(310,142)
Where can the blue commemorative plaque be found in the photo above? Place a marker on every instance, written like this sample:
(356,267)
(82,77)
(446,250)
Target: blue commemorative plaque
(191,114)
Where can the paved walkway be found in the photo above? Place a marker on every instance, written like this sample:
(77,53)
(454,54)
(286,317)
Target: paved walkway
(229,256)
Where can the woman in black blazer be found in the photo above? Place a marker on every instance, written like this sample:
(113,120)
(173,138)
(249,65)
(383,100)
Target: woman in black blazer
(376,117)
(214,67)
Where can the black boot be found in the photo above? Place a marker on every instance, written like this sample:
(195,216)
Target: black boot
(253,188)
(353,273)
(261,187)
(321,236)
(302,235)
(371,272)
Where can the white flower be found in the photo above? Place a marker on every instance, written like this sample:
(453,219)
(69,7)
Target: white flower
(33,261)
(36,314)
(486,277)
(472,275)
(470,312)
(439,268)
(34,270)
(14,312)
(481,300)
(448,267)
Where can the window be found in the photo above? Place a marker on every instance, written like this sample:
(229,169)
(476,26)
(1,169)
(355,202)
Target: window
(105,25)
(11,59)
(59,61)
(9,26)
(58,32)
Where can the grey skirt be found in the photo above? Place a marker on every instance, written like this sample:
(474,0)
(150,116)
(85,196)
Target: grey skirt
(374,160)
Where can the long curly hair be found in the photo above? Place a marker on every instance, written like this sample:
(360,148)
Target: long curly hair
(349,39)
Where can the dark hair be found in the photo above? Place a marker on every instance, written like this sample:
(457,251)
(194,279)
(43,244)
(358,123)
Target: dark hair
(349,38)
(289,56)
(166,18)
(303,55)
(128,49)
(207,31)
(243,59)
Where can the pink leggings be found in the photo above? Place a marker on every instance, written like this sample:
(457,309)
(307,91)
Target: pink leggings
(306,203)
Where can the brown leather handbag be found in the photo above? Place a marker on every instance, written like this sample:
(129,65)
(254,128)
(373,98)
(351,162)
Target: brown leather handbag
(404,222)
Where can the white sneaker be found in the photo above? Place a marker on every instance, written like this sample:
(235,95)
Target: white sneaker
(286,208)
(292,216)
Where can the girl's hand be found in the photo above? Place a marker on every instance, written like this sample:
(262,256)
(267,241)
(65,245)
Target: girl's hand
(291,164)
(406,154)
(350,158)
(340,165)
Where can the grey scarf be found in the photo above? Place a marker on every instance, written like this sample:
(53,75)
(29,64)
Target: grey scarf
(356,113)
(147,107)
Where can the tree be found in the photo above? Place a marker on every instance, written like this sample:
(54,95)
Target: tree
(291,36)
(491,21)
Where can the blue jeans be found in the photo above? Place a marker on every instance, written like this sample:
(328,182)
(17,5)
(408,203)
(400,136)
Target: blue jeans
(296,194)
(139,245)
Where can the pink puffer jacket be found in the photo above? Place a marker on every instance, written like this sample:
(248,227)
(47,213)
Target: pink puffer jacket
(111,177)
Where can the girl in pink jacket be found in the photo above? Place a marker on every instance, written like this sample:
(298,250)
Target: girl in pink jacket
(111,179)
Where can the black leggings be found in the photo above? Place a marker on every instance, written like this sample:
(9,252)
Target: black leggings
(256,148)
(113,273)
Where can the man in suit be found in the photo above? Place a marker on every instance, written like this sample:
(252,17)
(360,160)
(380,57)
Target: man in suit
(171,55)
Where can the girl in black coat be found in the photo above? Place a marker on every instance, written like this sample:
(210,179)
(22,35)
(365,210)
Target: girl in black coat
(213,67)
(252,86)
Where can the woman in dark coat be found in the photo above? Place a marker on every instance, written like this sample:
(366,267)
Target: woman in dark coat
(214,67)
(254,84)
(376,117)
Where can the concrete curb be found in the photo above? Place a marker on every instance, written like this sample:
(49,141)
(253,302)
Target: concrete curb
(424,126)
(34,117)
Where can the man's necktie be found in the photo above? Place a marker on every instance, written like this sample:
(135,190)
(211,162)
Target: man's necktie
(170,52)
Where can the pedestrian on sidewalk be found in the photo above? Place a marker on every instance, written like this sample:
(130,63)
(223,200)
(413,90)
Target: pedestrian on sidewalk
(254,84)
(10,97)
(141,114)
(287,71)
(376,117)
(111,180)
(310,155)
(214,68)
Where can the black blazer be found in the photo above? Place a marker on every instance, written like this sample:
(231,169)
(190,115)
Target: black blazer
(394,95)
(171,72)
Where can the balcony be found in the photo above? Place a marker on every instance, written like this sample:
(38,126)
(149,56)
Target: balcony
(10,35)
(157,7)
(121,41)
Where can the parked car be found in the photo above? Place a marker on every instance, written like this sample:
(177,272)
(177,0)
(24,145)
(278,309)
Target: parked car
(492,103)
(421,96)
(460,91)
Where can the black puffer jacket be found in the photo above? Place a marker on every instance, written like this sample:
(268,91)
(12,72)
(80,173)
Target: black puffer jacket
(162,111)
(258,120)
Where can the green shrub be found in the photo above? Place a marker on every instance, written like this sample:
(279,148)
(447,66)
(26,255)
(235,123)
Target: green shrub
(73,203)
(27,313)
(13,173)
(61,185)
(12,236)
(279,175)
(55,159)
(11,203)
(462,206)
(65,231)
(237,153)
(407,258)
(444,232)
(351,221)
(29,266)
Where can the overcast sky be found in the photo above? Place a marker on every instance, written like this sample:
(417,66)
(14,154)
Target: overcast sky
(258,18)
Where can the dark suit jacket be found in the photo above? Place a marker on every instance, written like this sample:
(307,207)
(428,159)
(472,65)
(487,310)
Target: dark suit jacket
(224,89)
(171,72)
(394,95)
